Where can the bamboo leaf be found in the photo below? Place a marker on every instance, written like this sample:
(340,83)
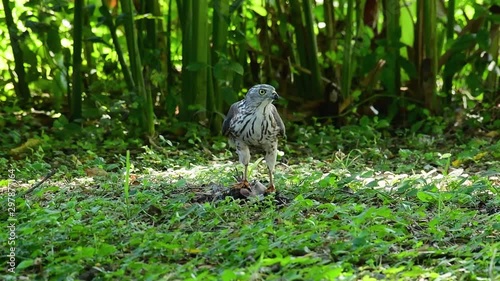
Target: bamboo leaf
(408,67)
(237,36)
(97,39)
(236,67)
(453,65)
(228,94)
(236,5)
(261,11)
(407,29)
(76,95)
(463,42)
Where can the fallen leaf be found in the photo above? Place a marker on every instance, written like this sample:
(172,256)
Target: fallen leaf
(493,134)
(31,143)
(95,172)
(192,251)
(480,155)
(457,163)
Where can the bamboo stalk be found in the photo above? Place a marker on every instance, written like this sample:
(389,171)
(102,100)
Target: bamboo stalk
(330,24)
(346,64)
(76,96)
(431,51)
(21,87)
(220,37)
(241,56)
(393,79)
(146,102)
(108,21)
(169,63)
(187,57)
(450,19)
(316,91)
(493,80)
(450,25)
(306,49)
(199,55)
(427,56)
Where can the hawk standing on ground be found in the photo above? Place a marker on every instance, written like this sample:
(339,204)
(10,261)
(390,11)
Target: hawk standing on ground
(254,123)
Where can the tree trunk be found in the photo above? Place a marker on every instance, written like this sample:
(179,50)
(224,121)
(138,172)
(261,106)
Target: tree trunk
(21,87)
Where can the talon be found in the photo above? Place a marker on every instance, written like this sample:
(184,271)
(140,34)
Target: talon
(242,184)
(270,189)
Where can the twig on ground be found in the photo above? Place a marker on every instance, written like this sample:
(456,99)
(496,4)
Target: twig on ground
(47,176)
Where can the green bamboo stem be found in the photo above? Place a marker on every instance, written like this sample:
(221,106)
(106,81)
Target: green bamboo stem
(169,63)
(108,21)
(131,37)
(393,28)
(302,84)
(431,51)
(146,102)
(316,90)
(450,31)
(346,64)
(241,56)
(76,96)
(330,24)
(220,38)
(200,52)
(450,19)
(21,87)
(185,13)
(493,80)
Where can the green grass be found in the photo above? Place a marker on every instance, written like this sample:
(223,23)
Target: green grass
(378,209)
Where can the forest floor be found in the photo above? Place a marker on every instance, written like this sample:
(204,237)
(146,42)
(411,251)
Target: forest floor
(349,206)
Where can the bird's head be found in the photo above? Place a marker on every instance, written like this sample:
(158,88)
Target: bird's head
(261,94)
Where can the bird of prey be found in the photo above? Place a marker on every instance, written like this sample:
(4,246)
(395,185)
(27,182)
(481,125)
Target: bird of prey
(254,123)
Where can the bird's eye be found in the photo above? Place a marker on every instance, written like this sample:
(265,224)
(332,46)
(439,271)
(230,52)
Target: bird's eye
(262,92)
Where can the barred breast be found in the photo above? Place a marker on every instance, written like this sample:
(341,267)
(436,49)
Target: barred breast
(256,127)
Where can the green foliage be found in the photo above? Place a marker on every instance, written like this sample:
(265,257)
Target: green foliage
(375,207)
(447,65)
(403,187)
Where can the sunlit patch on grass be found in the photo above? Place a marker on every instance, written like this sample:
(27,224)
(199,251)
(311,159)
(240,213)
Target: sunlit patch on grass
(344,214)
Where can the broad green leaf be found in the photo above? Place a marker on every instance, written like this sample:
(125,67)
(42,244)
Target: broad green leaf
(408,67)
(259,10)
(228,275)
(25,263)
(364,121)
(180,183)
(454,64)
(425,196)
(359,241)
(228,95)
(84,252)
(106,250)
(236,67)
(463,42)
(237,36)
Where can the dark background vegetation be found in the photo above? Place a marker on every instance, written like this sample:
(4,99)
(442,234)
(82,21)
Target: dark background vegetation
(125,69)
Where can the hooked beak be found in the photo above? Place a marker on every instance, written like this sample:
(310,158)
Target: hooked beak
(275,96)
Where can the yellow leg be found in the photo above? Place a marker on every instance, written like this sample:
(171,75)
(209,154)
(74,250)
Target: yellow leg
(244,182)
(270,188)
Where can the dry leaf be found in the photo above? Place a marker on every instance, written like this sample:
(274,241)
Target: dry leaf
(95,172)
(31,143)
